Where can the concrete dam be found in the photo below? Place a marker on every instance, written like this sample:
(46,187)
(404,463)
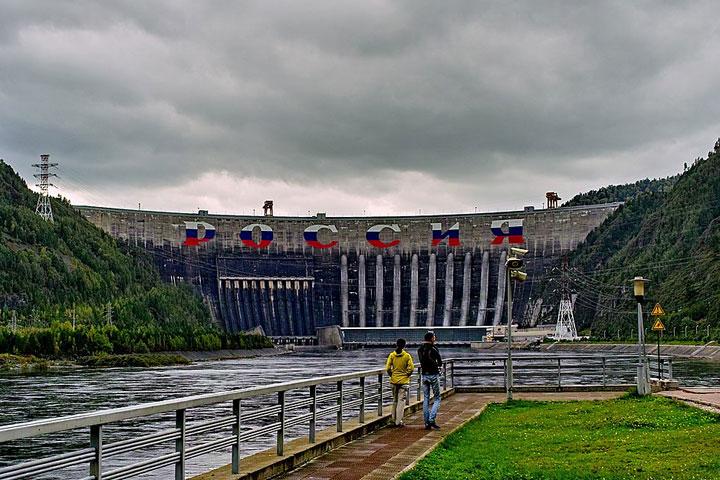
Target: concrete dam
(290,275)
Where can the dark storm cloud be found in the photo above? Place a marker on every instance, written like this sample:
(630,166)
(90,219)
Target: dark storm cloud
(156,93)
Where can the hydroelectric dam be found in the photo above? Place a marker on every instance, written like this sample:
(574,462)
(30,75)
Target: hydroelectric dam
(291,275)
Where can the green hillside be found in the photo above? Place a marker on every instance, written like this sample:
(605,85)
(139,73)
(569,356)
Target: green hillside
(668,234)
(52,272)
(622,193)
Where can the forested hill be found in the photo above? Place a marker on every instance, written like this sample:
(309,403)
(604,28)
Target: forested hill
(52,272)
(46,268)
(622,193)
(670,236)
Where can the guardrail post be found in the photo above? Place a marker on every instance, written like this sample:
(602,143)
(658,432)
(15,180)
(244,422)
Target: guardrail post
(180,445)
(340,406)
(380,395)
(452,374)
(505,379)
(559,375)
(96,443)
(313,411)
(236,432)
(604,377)
(419,385)
(281,419)
(362,400)
(445,376)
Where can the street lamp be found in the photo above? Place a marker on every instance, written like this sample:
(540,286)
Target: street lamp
(513,264)
(643,370)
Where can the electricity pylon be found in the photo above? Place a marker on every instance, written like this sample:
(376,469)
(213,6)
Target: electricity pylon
(43,208)
(565,326)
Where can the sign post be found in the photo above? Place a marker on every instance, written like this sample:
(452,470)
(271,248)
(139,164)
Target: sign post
(658,327)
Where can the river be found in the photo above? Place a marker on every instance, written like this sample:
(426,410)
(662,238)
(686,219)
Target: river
(75,390)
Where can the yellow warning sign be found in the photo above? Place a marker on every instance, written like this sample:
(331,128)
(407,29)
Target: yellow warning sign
(658,326)
(657,311)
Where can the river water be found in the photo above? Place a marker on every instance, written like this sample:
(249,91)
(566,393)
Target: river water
(75,390)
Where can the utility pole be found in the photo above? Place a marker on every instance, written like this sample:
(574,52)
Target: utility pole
(13,321)
(108,314)
(74,316)
(43,208)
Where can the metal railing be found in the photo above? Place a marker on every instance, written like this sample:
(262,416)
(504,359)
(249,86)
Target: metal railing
(349,393)
(560,371)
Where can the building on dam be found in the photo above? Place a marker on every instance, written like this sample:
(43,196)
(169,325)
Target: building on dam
(290,275)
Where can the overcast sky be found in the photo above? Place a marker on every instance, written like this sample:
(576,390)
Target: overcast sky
(350,106)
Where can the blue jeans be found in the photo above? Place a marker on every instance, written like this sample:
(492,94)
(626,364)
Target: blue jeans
(431,381)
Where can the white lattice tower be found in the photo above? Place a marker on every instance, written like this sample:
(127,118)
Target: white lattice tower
(565,327)
(43,208)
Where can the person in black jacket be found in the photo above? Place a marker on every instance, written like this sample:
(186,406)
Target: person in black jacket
(430,361)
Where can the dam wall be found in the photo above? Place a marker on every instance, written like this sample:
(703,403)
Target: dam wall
(293,274)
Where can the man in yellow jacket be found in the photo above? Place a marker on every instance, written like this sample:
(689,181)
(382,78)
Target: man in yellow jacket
(399,367)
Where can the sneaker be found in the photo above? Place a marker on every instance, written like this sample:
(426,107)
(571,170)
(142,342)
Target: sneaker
(428,427)
(435,426)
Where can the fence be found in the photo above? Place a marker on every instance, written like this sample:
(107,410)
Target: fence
(553,371)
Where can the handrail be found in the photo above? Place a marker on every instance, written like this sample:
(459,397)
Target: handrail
(70,422)
(602,365)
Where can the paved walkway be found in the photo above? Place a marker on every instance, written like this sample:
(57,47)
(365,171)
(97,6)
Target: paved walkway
(702,397)
(389,451)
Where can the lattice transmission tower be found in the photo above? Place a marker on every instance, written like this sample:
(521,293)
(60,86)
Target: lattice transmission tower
(565,327)
(43,208)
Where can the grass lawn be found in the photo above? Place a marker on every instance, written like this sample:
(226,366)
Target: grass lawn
(628,438)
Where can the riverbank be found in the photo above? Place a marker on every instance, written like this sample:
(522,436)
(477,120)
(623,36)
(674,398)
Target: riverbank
(22,364)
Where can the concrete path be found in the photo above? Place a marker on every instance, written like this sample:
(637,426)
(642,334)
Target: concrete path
(699,397)
(389,451)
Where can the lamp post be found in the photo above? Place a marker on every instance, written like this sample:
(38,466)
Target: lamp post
(643,376)
(509,374)
(512,272)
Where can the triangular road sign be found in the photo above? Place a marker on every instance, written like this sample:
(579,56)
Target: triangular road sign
(657,311)
(658,326)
